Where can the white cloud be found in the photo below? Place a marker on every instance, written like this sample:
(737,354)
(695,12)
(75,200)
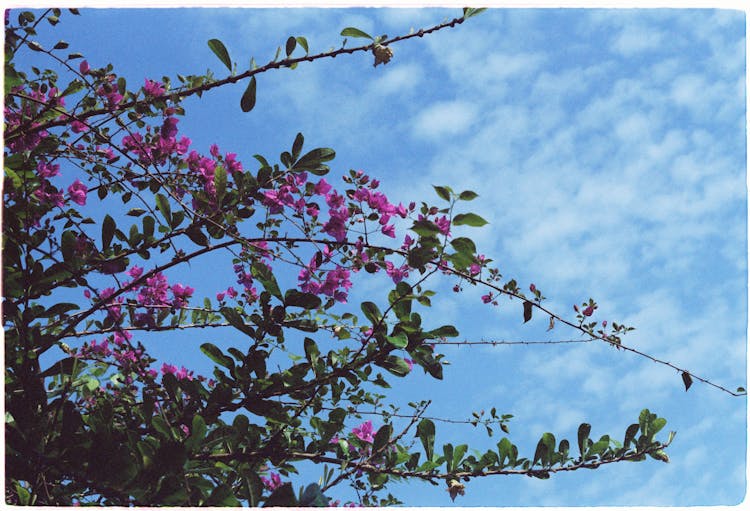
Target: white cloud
(634,39)
(448,118)
(401,79)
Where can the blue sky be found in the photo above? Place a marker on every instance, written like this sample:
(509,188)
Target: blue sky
(609,150)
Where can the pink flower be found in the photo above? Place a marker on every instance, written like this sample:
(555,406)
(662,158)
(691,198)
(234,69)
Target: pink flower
(220,296)
(77,192)
(169,128)
(588,311)
(135,272)
(487,298)
(44,196)
(389,230)
(153,89)
(168,368)
(181,294)
(272,483)
(78,127)
(83,67)
(364,432)
(45,170)
(443,224)
(334,200)
(231,292)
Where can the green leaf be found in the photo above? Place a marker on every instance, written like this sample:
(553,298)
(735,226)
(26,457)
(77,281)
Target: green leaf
(448,455)
(299,141)
(236,320)
(220,182)
(266,277)
(470,11)
(458,455)
(426,434)
(303,42)
(630,435)
(198,431)
(247,102)
(656,425)
(583,435)
(311,351)
(443,331)
(399,340)
(222,496)
(64,366)
(395,365)
(161,426)
(196,236)
(372,312)
(470,219)
(313,161)
(162,204)
(464,246)
(355,32)
(214,353)
(443,192)
(108,231)
(425,228)
(220,51)
(468,195)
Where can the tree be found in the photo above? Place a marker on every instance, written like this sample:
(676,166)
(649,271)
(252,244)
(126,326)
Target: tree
(103,422)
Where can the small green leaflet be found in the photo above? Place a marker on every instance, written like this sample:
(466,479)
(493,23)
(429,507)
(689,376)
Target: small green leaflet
(355,32)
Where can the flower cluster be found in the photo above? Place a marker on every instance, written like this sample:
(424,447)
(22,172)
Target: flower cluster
(333,283)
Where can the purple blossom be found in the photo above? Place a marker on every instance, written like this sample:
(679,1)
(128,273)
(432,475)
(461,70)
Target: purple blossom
(153,89)
(272,483)
(45,170)
(78,126)
(77,192)
(364,432)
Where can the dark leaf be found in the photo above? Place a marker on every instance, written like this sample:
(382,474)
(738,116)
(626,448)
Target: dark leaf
(283,496)
(583,435)
(291,44)
(108,231)
(215,354)
(527,308)
(294,298)
(687,380)
(247,102)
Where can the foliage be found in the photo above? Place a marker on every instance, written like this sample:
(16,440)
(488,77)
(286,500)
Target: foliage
(101,422)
